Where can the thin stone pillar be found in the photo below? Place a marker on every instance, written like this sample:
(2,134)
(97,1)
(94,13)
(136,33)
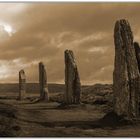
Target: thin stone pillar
(22,84)
(72,79)
(137,51)
(44,94)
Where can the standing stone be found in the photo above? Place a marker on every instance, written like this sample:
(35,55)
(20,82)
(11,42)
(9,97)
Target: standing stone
(126,74)
(22,84)
(137,51)
(44,94)
(72,79)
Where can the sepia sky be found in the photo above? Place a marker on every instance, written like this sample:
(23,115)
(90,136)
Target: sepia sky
(34,32)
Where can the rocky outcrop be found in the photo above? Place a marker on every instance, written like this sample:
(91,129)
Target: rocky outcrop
(22,84)
(126,74)
(72,79)
(137,51)
(44,94)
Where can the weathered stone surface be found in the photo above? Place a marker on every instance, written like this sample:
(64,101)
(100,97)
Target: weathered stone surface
(22,84)
(137,51)
(72,79)
(44,94)
(126,74)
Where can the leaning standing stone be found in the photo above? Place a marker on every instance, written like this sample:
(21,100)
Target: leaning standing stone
(72,79)
(44,94)
(126,74)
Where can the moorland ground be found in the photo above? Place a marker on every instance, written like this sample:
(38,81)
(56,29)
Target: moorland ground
(28,118)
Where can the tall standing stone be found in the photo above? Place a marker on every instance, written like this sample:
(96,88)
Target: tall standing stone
(137,51)
(22,84)
(44,94)
(126,74)
(72,79)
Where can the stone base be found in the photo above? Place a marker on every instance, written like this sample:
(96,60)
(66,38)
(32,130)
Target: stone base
(71,106)
(40,100)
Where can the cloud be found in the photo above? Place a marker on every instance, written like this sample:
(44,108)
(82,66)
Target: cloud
(4,36)
(44,31)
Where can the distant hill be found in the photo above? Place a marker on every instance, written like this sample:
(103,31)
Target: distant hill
(53,88)
(91,94)
(97,89)
(30,87)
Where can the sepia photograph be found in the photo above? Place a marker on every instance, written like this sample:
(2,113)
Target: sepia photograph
(69,69)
